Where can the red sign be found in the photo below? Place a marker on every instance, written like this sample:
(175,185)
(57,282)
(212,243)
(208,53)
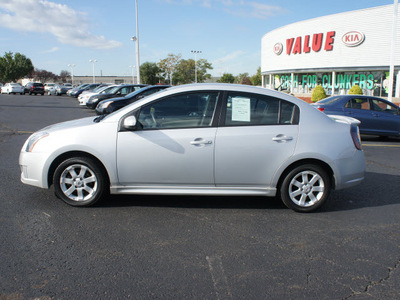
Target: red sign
(353,38)
(314,43)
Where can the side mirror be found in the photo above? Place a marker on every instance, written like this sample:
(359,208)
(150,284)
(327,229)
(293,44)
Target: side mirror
(130,123)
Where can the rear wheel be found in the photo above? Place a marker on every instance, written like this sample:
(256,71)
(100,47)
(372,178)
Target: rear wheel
(80,181)
(305,188)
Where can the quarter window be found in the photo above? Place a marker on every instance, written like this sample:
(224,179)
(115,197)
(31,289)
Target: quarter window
(249,109)
(180,111)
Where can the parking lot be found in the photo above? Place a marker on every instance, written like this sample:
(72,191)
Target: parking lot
(181,247)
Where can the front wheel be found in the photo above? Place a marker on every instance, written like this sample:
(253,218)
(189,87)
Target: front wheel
(305,188)
(80,181)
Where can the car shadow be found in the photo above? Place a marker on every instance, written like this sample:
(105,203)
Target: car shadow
(195,202)
(367,194)
(375,138)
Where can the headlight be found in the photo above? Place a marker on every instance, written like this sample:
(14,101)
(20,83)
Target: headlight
(36,137)
(104,105)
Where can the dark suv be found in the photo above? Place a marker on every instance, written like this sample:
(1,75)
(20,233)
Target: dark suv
(34,88)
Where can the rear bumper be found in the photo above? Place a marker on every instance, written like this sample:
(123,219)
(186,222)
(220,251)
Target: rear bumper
(350,170)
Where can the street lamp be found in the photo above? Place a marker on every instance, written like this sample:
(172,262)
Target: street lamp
(93,61)
(72,66)
(133,74)
(195,64)
(136,39)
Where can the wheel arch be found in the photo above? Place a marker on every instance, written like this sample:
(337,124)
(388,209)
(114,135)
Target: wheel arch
(59,159)
(313,161)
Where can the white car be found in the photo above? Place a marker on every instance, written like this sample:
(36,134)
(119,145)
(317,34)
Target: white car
(85,96)
(49,88)
(12,88)
(202,139)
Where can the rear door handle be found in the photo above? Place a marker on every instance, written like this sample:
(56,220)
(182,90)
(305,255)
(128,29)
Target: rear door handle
(281,138)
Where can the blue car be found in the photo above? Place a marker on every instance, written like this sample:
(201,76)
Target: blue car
(377,116)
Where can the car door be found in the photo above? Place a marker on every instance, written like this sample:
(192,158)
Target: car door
(258,134)
(385,117)
(174,144)
(359,108)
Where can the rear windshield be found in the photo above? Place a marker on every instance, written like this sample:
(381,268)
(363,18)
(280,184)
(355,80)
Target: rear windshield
(329,100)
(38,84)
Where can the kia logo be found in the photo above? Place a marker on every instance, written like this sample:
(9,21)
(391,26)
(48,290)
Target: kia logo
(278,48)
(353,38)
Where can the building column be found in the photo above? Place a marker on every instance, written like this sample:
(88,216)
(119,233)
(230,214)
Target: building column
(292,83)
(263,81)
(270,81)
(333,82)
(397,93)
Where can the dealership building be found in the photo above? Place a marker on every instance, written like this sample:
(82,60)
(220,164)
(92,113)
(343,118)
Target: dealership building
(335,51)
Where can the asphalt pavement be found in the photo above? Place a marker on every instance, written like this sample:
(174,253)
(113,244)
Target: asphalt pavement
(183,247)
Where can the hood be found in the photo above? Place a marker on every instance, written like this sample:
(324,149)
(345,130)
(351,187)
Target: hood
(69,124)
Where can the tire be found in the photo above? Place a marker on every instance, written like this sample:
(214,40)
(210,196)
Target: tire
(79,181)
(305,188)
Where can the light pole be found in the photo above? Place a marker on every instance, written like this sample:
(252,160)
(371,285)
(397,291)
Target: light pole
(133,74)
(72,66)
(195,64)
(136,39)
(93,61)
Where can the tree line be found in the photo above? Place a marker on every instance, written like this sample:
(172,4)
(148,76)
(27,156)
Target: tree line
(16,66)
(174,70)
(171,70)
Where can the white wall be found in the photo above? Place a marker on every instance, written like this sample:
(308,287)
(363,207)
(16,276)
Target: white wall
(375,23)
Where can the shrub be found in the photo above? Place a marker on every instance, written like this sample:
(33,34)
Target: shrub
(355,90)
(318,94)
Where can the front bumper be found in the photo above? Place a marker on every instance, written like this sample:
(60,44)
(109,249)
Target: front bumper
(34,169)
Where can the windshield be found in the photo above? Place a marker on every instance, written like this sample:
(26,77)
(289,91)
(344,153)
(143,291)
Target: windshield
(106,90)
(114,90)
(135,93)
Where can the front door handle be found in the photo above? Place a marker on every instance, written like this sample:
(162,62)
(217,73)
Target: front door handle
(281,138)
(200,141)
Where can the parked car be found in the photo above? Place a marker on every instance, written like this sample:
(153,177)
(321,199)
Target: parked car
(89,87)
(75,89)
(377,116)
(49,86)
(202,139)
(118,91)
(62,89)
(34,88)
(110,105)
(12,88)
(84,97)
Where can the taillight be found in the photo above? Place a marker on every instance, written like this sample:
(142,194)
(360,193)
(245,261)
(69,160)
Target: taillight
(321,109)
(355,135)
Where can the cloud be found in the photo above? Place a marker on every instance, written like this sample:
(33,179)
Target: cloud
(66,24)
(240,8)
(54,49)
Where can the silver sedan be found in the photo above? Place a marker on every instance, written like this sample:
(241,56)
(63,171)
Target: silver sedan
(205,139)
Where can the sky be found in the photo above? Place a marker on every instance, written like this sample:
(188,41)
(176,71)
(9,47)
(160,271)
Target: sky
(58,33)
